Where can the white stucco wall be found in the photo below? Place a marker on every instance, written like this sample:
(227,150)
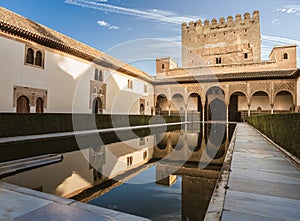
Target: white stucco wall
(67,81)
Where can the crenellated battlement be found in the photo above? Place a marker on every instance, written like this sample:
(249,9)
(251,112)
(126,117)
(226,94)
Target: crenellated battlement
(223,40)
(223,23)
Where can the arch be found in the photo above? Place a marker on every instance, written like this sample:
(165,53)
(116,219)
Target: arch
(194,102)
(142,109)
(285,56)
(177,103)
(39,58)
(215,107)
(260,99)
(39,105)
(30,56)
(238,106)
(97,106)
(283,102)
(162,105)
(23,104)
(215,90)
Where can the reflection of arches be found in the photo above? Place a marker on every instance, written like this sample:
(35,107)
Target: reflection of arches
(162,140)
(260,99)
(194,141)
(97,106)
(237,104)
(142,109)
(162,106)
(39,105)
(177,103)
(215,104)
(216,140)
(177,140)
(23,105)
(283,101)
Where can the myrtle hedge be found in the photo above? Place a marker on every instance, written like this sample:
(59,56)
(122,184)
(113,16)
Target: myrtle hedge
(283,129)
(15,124)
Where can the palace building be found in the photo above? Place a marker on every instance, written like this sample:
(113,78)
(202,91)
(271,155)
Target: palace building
(222,78)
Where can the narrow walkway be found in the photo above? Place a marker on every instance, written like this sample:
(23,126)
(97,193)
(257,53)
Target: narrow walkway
(263,185)
(21,204)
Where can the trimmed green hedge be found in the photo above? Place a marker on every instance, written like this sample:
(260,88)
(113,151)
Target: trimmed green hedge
(283,129)
(15,124)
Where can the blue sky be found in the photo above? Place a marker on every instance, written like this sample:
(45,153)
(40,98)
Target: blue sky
(138,31)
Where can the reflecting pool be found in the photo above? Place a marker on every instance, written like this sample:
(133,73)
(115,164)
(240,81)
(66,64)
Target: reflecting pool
(162,176)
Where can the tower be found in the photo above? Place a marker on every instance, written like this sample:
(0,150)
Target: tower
(222,42)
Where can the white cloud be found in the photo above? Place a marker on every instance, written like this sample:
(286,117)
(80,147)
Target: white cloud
(275,21)
(105,24)
(154,14)
(290,9)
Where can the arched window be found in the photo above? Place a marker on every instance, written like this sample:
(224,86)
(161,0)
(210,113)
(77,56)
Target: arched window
(29,56)
(38,58)
(39,105)
(163,66)
(23,105)
(100,76)
(285,56)
(96,78)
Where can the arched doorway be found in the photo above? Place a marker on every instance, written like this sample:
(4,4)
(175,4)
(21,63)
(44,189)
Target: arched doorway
(237,107)
(194,107)
(283,102)
(39,105)
(177,104)
(162,106)
(215,104)
(97,106)
(23,105)
(142,109)
(260,103)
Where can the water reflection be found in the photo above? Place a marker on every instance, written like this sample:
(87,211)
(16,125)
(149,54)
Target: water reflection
(183,164)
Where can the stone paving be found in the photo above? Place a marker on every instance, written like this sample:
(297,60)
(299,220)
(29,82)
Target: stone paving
(21,204)
(263,185)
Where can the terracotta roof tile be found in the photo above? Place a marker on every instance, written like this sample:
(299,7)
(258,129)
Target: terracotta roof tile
(20,26)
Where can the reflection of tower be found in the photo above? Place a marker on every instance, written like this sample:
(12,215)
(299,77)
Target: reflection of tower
(196,193)
(97,160)
(164,176)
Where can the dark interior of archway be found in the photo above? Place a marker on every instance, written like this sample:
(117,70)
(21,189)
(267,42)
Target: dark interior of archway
(216,110)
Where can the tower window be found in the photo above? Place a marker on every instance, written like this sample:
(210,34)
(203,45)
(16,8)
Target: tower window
(218,60)
(96,77)
(29,56)
(163,66)
(34,57)
(245,55)
(285,56)
(38,58)
(130,84)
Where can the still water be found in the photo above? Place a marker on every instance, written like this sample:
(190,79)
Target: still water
(163,176)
